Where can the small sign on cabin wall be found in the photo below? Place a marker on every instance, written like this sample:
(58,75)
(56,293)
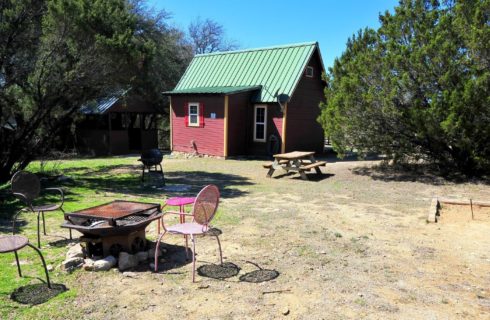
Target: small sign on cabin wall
(213,115)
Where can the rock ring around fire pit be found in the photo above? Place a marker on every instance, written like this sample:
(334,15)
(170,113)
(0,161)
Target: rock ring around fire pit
(114,227)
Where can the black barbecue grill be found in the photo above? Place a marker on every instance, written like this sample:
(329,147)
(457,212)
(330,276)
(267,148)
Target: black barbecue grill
(152,158)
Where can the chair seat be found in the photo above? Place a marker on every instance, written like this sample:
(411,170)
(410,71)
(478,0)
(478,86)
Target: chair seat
(188,228)
(46,207)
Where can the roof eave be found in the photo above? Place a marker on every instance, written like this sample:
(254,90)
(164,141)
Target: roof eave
(174,93)
(317,48)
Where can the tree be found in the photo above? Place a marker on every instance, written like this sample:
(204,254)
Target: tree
(417,88)
(208,36)
(55,55)
(171,55)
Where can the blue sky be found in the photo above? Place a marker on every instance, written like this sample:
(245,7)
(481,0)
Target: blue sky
(263,23)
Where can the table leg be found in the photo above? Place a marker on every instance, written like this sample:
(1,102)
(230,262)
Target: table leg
(18,264)
(273,167)
(297,163)
(182,220)
(270,172)
(317,169)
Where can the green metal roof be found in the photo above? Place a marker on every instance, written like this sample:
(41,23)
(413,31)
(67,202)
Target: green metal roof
(276,69)
(213,90)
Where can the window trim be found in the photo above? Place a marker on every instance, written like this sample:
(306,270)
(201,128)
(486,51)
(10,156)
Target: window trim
(263,106)
(308,75)
(189,123)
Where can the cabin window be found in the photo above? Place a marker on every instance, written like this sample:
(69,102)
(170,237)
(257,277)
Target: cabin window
(309,72)
(194,114)
(260,123)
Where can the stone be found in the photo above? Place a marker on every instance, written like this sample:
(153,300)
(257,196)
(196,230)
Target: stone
(88,265)
(127,261)
(433,209)
(142,256)
(130,274)
(50,267)
(285,311)
(105,264)
(75,251)
(71,264)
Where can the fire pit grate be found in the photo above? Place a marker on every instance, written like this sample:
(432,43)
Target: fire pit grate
(115,226)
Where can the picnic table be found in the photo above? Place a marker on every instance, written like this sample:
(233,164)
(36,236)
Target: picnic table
(297,161)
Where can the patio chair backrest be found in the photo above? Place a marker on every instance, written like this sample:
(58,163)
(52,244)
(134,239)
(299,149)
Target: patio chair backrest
(206,204)
(27,184)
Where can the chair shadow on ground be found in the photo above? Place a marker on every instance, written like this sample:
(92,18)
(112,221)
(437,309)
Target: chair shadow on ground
(34,294)
(229,269)
(169,262)
(175,257)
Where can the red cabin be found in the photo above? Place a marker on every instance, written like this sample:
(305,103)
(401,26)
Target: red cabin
(249,102)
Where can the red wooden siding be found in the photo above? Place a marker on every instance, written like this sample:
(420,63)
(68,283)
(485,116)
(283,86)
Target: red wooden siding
(208,139)
(303,131)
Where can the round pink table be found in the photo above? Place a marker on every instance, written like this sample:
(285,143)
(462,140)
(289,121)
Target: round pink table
(180,202)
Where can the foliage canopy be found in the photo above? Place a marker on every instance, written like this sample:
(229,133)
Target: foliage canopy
(55,55)
(416,88)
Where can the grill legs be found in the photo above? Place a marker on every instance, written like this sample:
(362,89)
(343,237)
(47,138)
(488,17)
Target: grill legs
(145,167)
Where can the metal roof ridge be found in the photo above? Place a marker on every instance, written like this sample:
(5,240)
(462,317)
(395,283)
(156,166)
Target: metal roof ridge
(300,44)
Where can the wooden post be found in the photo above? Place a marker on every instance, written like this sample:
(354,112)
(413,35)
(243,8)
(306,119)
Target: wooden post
(170,119)
(109,135)
(226,128)
(471,206)
(284,117)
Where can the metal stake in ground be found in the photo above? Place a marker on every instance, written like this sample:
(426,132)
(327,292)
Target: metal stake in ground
(471,206)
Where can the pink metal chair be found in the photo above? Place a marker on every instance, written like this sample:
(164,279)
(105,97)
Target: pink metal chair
(202,213)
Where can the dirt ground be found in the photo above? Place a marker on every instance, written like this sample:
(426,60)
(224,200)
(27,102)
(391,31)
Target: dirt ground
(352,245)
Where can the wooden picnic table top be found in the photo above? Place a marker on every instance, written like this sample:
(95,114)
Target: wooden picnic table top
(294,155)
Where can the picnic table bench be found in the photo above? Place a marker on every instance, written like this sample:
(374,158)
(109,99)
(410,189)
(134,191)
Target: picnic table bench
(298,161)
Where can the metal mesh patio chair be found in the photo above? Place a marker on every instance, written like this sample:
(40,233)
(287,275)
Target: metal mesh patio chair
(202,213)
(27,187)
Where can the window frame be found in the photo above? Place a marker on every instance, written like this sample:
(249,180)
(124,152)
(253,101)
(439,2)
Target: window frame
(189,123)
(307,74)
(261,106)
